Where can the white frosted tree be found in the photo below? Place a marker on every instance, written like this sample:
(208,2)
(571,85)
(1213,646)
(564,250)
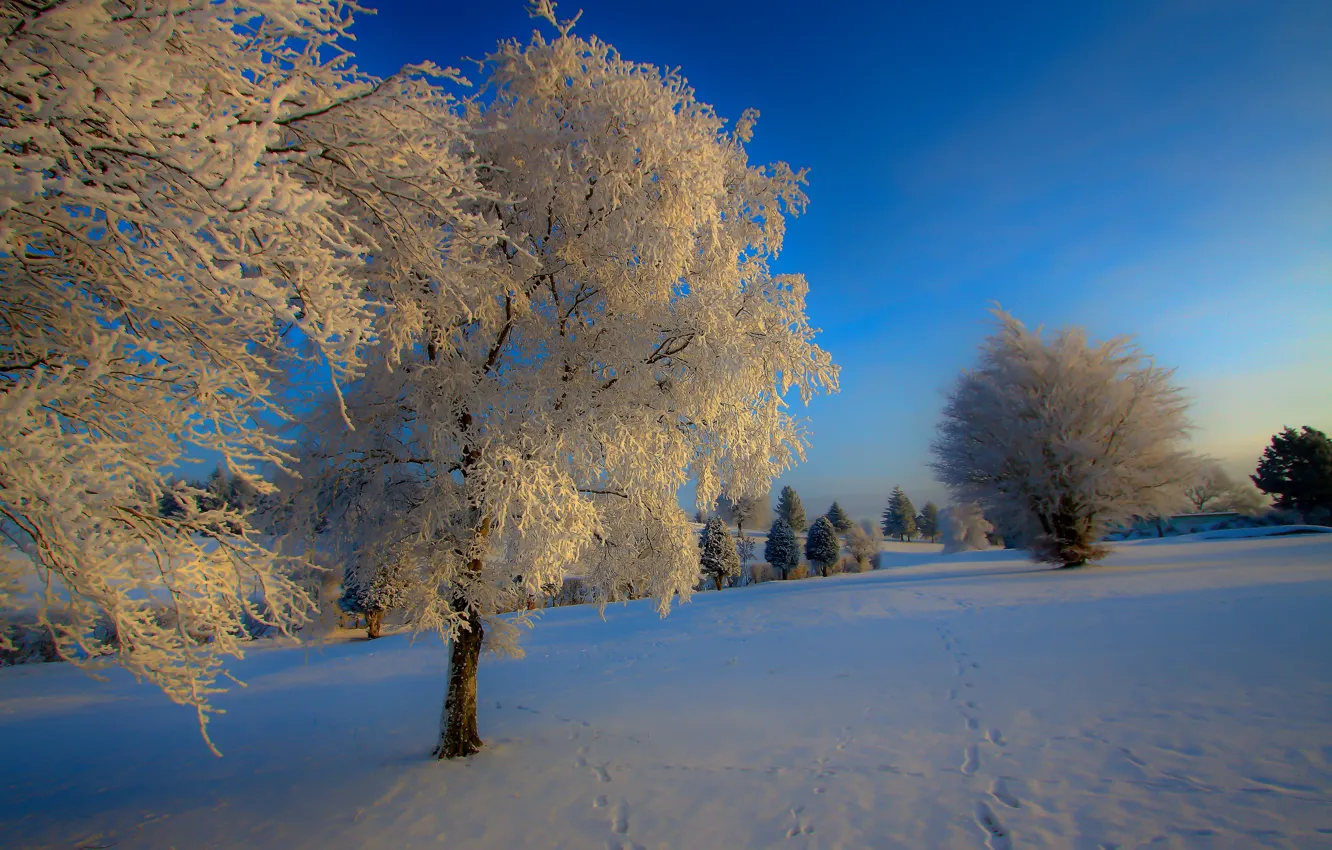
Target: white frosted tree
(622,335)
(964,528)
(188,198)
(744,511)
(718,560)
(1209,488)
(1244,498)
(863,545)
(1060,439)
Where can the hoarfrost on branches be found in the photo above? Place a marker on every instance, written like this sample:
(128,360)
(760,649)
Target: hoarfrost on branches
(189,200)
(621,335)
(1059,440)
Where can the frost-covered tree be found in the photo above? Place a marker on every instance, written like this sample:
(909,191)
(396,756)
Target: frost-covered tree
(822,548)
(1245,498)
(1209,487)
(791,509)
(862,545)
(927,521)
(623,335)
(718,560)
(1297,469)
(899,518)
(1060,439)
(743,511)
(838,518)
(964,528)
(190,195)
(374,595)
(781,551)
(744,548)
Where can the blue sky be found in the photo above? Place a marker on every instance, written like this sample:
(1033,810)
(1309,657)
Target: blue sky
(1156,169)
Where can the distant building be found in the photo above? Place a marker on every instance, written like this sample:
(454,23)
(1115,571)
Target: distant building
(1189,523)
(1175,524)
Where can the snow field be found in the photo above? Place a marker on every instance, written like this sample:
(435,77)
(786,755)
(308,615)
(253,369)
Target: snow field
(1180,695)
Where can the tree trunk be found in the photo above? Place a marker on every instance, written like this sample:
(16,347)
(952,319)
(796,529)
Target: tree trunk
(719,578)
(374,621)
(457,728)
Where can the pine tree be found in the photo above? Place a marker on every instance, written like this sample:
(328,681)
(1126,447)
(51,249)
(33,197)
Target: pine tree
(790,508)
(781,551)
(719,559)
(900,517)
(822,548)
(374,596)
(928,521)
(838,518)
(1297,469)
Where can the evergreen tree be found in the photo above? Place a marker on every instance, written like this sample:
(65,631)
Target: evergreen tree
(781,550)
(838,518)
(719,558)
(374,596)
(790,508)
(1297,469)
(822,548)
(900,517)
(928,521)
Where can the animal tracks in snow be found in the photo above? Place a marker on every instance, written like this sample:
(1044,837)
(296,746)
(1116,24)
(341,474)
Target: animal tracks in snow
(997,836)
(999,791)
(971,759)
(801,826)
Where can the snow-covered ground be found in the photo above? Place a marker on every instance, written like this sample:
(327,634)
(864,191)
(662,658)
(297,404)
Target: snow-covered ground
(1180,695)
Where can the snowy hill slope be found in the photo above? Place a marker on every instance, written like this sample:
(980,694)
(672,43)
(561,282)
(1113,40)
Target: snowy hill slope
(1180,694)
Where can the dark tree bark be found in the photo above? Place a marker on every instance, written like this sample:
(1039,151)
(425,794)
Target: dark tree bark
(457,729)
(719,577)
(374,621)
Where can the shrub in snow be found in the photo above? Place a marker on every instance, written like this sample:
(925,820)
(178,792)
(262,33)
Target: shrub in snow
(718,560)
(760,572)
(781,550)
(25,641)
(964,528)
(862,547)
(1058,440)
(899,518)
(800,571)
(822,548)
